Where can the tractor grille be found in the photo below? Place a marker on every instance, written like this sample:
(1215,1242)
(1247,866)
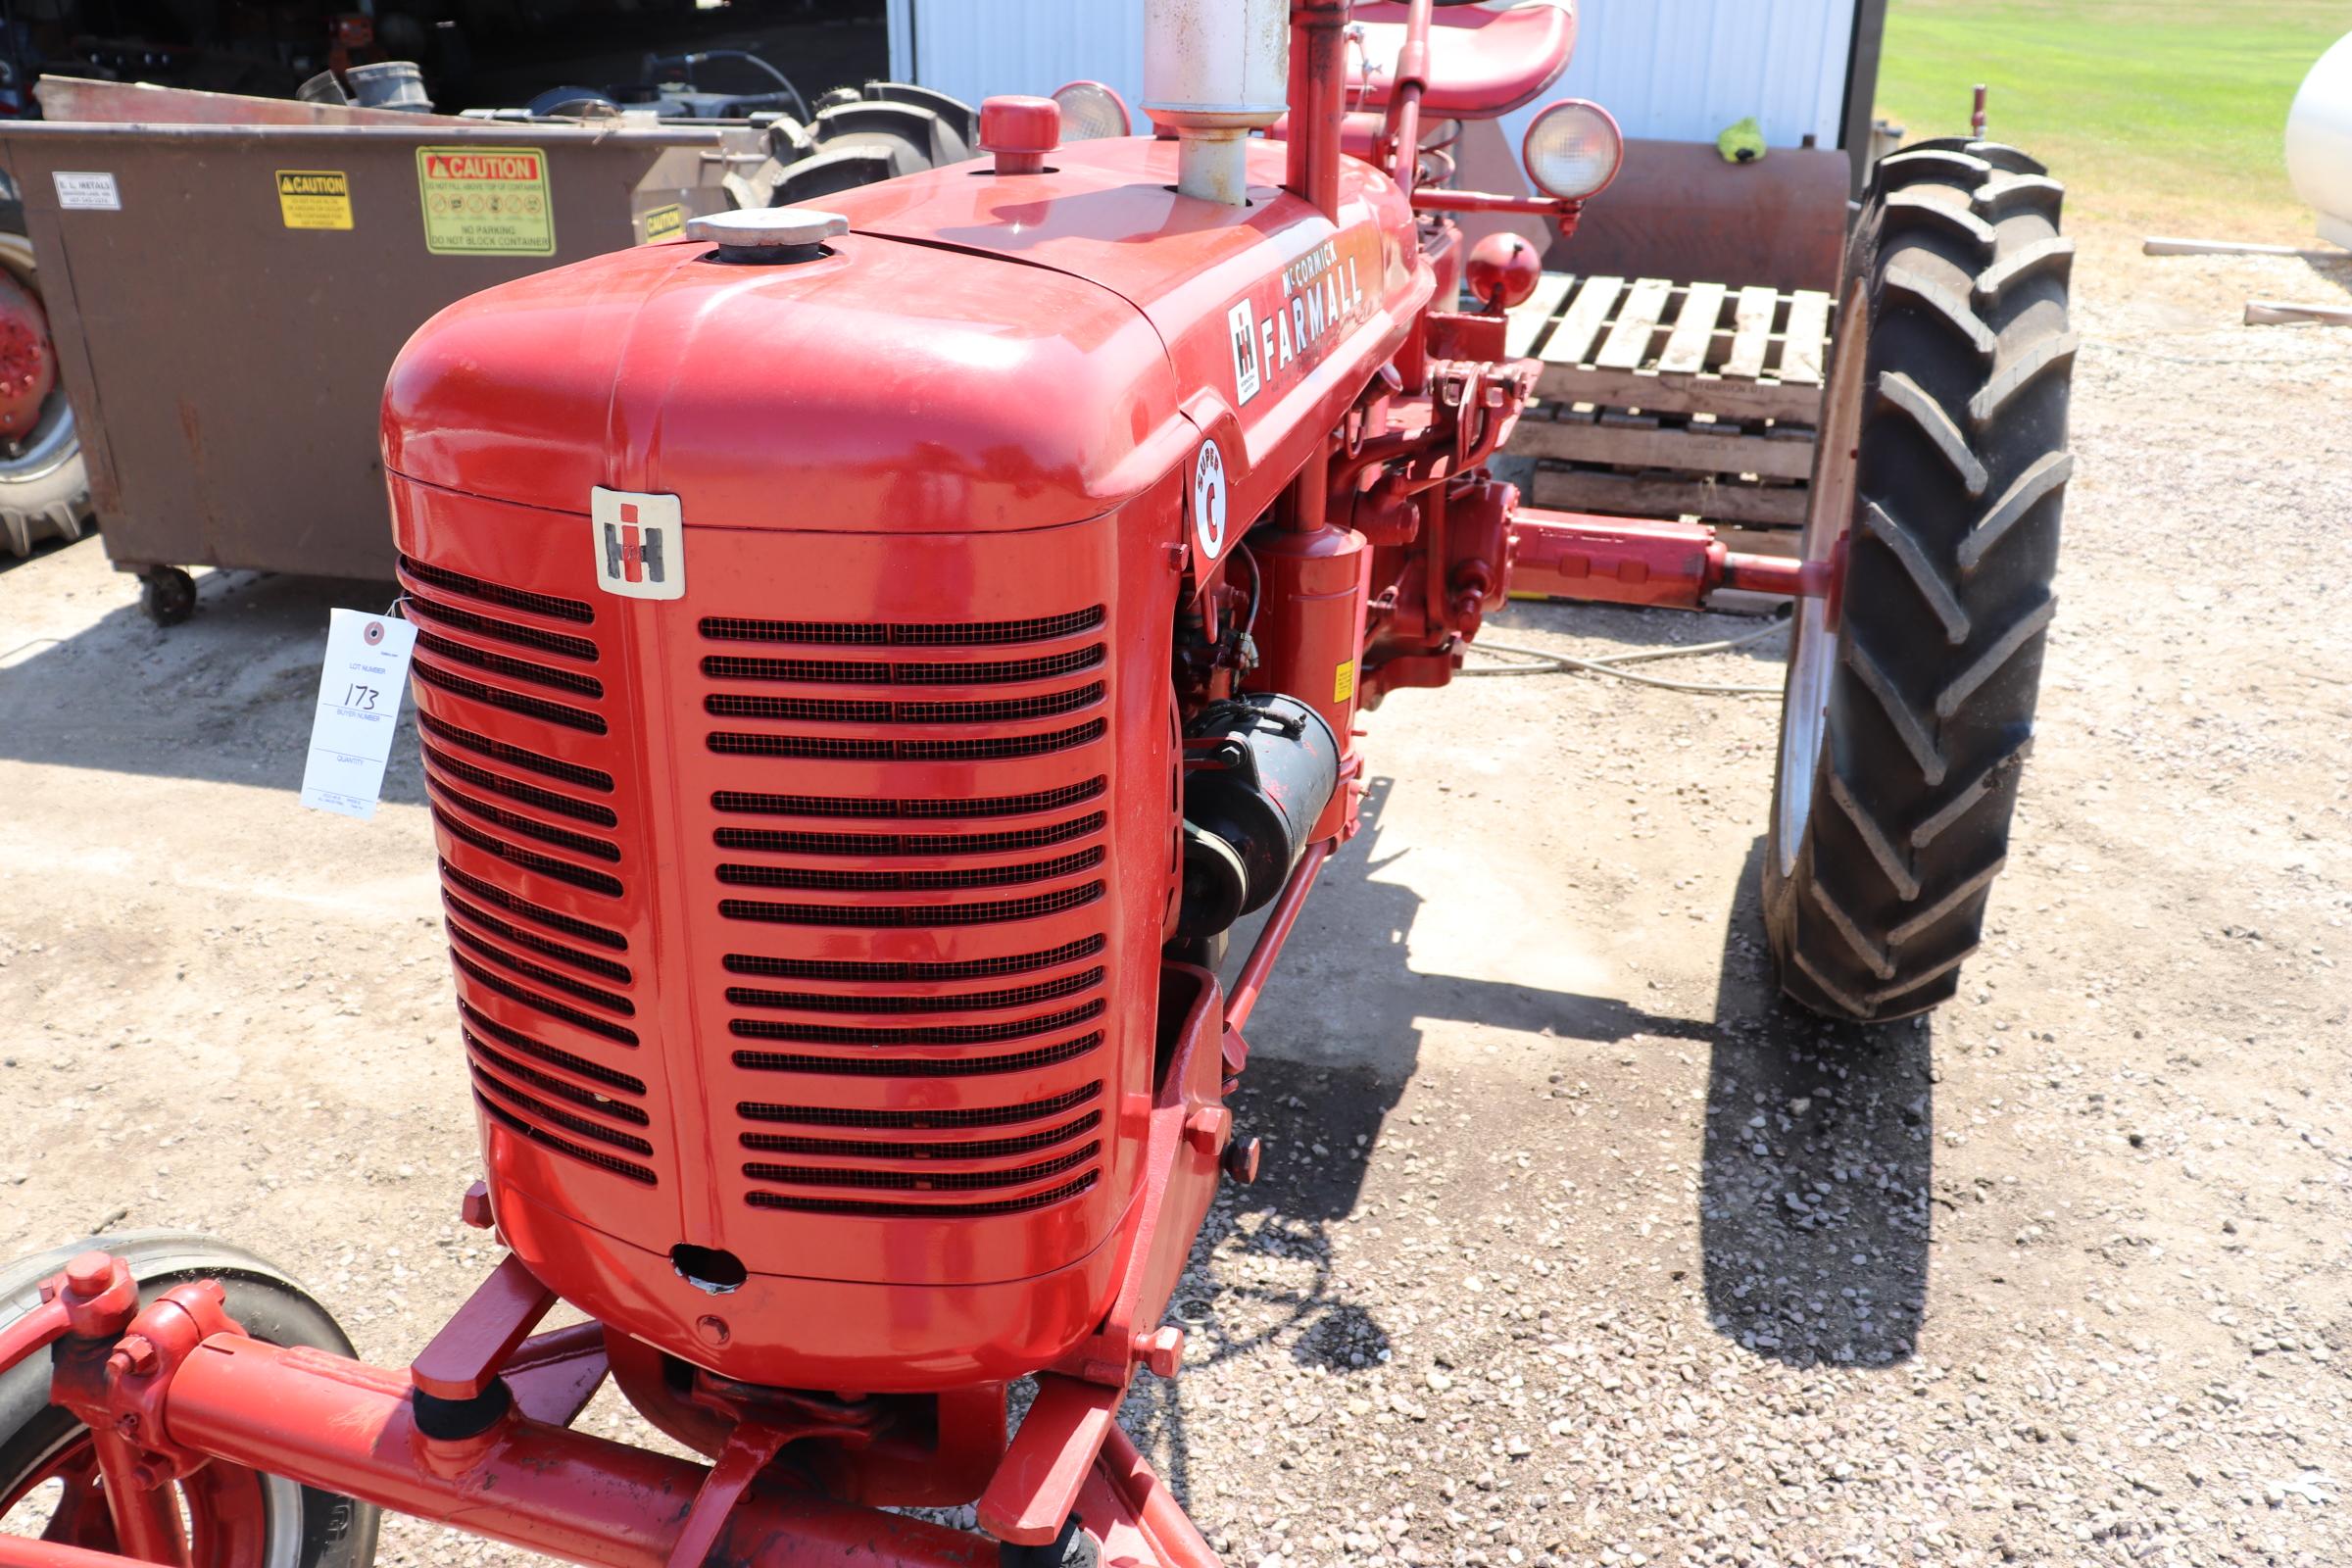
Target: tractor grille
(519,771)
(969,1082)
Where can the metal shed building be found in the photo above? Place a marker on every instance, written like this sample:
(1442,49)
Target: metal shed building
(1669,69)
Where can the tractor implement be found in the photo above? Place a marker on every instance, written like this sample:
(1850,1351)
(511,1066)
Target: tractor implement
(869,664)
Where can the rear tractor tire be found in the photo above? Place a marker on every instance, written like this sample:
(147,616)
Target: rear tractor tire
(1938,478)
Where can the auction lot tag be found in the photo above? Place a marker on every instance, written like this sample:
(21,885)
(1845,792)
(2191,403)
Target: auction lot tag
(485,201)
(359,693)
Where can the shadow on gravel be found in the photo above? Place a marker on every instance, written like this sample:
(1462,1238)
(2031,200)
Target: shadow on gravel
(1334,1043)
(226,697)
(1631,629)
(1814,1182)
(1289,1290)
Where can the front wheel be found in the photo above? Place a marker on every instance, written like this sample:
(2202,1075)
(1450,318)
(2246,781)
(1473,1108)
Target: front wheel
(1937,482)
(237,1518)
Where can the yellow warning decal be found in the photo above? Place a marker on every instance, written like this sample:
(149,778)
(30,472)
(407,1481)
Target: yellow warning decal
(314,198)
(1342,685)
(664,223)
(485,201)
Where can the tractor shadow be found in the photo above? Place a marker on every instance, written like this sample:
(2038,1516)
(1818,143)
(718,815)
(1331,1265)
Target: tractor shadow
(1815,1176)
(1838,1276)
(226,697)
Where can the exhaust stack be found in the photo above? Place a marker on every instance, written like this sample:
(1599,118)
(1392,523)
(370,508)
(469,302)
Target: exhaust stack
(1213,72)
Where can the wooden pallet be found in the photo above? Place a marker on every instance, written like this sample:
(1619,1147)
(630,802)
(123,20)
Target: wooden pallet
(1662,399)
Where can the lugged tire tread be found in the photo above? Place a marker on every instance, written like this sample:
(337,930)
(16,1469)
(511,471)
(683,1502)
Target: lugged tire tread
(2055,254)
(1869,952)
(1964,800)
(1947,306)
(1882,847)
(1931,715)
(1900,714)
(1914,164)
(1933,589)
(2015,375)
(1906,397)
(2004,647)
(1904,208)
(2048,473)
(1969,886)
(1997,198)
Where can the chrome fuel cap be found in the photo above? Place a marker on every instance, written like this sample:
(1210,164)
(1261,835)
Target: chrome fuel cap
(767,234)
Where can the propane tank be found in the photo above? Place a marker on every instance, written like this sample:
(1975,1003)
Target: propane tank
(1213,72)
(2319,142)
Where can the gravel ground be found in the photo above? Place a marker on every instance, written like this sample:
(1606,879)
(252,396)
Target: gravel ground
(1573,1246)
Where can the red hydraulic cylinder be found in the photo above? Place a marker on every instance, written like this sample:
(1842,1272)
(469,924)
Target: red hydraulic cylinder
(345,1427)
(1637,560)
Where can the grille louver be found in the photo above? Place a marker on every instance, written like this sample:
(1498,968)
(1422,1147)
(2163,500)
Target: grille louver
(532,833)
(843,1021)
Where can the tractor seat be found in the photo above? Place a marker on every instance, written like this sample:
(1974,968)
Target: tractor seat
(1481,63)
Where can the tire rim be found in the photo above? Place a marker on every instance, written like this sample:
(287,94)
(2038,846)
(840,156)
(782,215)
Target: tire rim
(234,1517)
(51,443)
(1813,649)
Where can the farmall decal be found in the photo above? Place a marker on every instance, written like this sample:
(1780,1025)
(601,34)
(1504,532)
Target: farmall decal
(1286,324)
(640,544)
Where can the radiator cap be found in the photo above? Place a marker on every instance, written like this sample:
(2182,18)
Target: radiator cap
(766,235)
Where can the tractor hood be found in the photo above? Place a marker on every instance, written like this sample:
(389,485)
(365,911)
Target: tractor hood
(886,386)
(979,351)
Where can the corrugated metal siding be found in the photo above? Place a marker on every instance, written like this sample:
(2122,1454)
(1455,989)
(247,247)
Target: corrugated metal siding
(1683,70)
(1680,70)
(972,48)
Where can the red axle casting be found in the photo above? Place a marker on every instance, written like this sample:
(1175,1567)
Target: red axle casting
(1626,561)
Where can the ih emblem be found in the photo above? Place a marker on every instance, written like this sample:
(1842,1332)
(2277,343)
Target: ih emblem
(640,544)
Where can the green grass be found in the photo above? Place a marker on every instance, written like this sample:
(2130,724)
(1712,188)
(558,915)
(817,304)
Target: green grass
(2158,113)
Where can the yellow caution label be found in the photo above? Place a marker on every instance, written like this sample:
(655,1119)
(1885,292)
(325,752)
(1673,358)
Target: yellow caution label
(1342,685)
(485,201)
(314,198)
(664,223)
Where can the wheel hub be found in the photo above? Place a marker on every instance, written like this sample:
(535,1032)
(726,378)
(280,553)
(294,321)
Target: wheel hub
(28,359)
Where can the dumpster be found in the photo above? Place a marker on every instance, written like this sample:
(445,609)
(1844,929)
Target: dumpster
(225,299)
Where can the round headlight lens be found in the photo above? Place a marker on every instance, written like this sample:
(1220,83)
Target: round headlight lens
(1090,110)
(1573,149)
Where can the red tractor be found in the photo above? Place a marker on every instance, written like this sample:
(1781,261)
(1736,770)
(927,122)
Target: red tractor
(869,659)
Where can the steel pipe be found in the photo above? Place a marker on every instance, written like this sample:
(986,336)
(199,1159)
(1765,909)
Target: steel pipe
(1276,931)
(345,1427)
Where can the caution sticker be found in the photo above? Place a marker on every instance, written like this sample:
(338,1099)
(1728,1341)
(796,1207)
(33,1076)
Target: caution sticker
(314,198)
(664,223)
(1342,684)
(485,201)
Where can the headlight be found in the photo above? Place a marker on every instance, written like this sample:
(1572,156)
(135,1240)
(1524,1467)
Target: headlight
(1090,110)
(1573,149)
